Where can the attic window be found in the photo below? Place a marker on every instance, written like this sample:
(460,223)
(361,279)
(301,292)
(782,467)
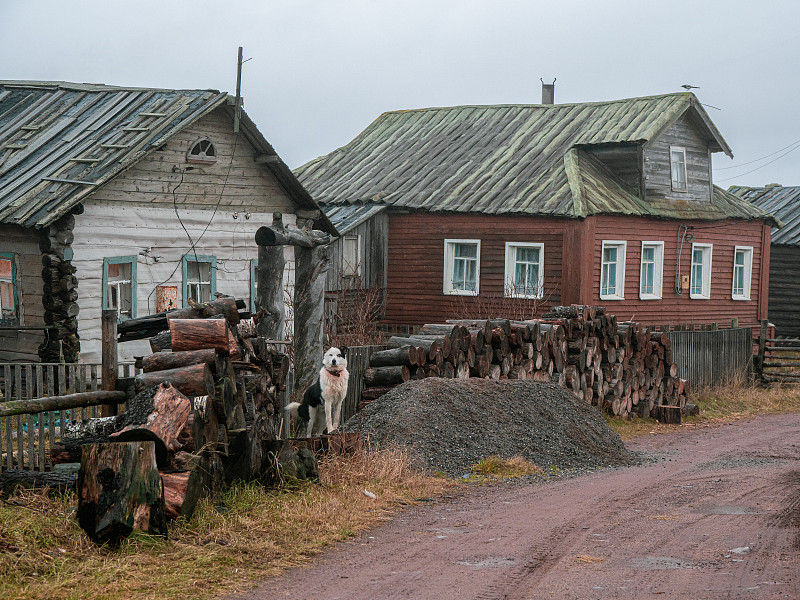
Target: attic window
(203,152)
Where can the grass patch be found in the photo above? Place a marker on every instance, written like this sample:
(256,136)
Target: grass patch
(251,534)
(505,468)
(719,405)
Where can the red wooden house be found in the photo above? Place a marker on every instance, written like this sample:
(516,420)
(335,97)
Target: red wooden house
(608,203)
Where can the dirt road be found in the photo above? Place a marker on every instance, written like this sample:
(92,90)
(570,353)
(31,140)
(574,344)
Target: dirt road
(717,517)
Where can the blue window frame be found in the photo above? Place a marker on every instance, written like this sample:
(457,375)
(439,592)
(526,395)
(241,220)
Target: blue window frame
(119,285)
(199,278)
(253,283)
(9,295)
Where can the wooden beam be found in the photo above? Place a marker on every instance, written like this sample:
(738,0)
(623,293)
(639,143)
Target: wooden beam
(109,357)
(37,405)
(273,236)
(311,266)
(267,159)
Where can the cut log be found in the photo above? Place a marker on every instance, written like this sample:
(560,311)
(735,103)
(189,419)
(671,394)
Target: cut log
(394,357)
(193,380)
(11,480)
(166,420)
(182,491)
(379,376)
(197,334)
(161,341)
(120,490)
(161,361)
(670,415)
(373,393)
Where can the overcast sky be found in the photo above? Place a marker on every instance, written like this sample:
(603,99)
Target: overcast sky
(321,71)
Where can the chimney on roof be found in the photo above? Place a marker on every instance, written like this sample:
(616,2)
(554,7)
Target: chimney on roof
(548,92)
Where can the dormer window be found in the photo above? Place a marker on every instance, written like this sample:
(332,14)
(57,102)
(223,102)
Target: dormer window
(203,152)
(677,161)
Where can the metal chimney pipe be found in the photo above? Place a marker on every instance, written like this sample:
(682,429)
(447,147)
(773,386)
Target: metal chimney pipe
(548,92)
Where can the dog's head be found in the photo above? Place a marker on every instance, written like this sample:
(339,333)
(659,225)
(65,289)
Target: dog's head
(334,359)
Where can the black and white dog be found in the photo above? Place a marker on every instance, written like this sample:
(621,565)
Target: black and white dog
(323,400)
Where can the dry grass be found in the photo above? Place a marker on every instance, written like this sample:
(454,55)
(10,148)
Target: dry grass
(502,468)
(719,405)
(252,534)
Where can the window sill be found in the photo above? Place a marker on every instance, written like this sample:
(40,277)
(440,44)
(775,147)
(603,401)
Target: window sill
(523,296)
(611,297)
(460,293)
(741,298)
(649,297)
(698,297)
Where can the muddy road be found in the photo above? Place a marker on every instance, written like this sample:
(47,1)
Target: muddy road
(716,516)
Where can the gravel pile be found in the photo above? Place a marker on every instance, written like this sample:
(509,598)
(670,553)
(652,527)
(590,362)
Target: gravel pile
(450,424)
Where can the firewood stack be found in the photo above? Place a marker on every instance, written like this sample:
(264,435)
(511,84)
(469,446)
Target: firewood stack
(210,405)
(623,368)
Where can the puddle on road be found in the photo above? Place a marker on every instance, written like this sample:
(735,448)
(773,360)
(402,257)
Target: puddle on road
(660,563)
(490,562)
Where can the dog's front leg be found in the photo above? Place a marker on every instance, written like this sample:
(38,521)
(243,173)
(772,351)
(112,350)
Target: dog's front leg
(312,414)
(337,412)
(328,420)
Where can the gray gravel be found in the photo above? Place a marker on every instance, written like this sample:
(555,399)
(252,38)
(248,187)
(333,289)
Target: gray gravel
(450,424)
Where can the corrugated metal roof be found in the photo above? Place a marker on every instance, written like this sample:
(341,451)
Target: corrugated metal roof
(346,217)
(60,141)
(508,159)
(781,201)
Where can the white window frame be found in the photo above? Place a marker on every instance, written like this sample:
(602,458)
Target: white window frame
(510,289)
(705,283)
(748,272)
(449,263)
(672,169)
(619,286)
(658,271)
(355,271)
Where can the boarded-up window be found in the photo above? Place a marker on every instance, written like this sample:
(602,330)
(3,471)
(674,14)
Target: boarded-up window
(351,265)
(8,285)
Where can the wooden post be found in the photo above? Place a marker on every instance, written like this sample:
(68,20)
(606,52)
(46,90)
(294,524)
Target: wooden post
(735,323)
(109,357)
(269,293)
(762,345)
(311,266)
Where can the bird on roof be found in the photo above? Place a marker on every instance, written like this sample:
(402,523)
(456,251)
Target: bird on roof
(686,86)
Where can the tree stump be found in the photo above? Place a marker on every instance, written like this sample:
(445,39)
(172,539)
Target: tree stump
(120,490)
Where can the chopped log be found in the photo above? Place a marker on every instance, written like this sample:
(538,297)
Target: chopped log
(166,420)
(670,415)
(36,405)
(69,449)
(119,490)
(690,409)
(394,357)
(197,334)
(161,361)
(11,480)
(161,341)
(373,393)
(380,376)
(182,491)
(192,380)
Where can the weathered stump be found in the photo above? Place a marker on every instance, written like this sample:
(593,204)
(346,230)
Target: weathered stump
(119,490)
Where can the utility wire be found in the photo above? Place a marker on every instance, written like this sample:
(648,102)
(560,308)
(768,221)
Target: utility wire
(762,166)
(757,159)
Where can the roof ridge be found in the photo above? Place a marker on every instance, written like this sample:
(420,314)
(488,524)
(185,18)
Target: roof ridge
(533,105)
(99,87)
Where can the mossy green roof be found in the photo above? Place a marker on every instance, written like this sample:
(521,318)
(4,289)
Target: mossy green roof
(509,159)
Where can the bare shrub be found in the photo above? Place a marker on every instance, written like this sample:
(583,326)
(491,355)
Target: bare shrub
(353,314)
(510,305)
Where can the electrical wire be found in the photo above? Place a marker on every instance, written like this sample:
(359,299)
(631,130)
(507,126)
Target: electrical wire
(762,166)
(750,162)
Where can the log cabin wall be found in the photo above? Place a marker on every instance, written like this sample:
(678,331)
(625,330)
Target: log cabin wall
(675,309)
(414,293)
(657,173)
(784,290)
(23,244)
(134,215)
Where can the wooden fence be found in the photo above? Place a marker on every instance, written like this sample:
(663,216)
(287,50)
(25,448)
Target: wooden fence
(714,357)
(25,440)
(357,363)
(778,359)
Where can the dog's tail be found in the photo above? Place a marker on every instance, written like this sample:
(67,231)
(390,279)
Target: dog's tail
(292,409)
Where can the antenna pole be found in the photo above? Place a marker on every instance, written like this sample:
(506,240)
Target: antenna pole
(238,109)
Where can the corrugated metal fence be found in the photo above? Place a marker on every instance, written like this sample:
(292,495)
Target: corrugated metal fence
(25,440)
(708,358)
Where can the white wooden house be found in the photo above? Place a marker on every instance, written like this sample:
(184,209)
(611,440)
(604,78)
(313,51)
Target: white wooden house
(127,198)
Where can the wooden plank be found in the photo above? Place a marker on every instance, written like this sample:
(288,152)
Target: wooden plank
(52,414)
(19,396)
(42,418)
(8,376)
(31,433)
